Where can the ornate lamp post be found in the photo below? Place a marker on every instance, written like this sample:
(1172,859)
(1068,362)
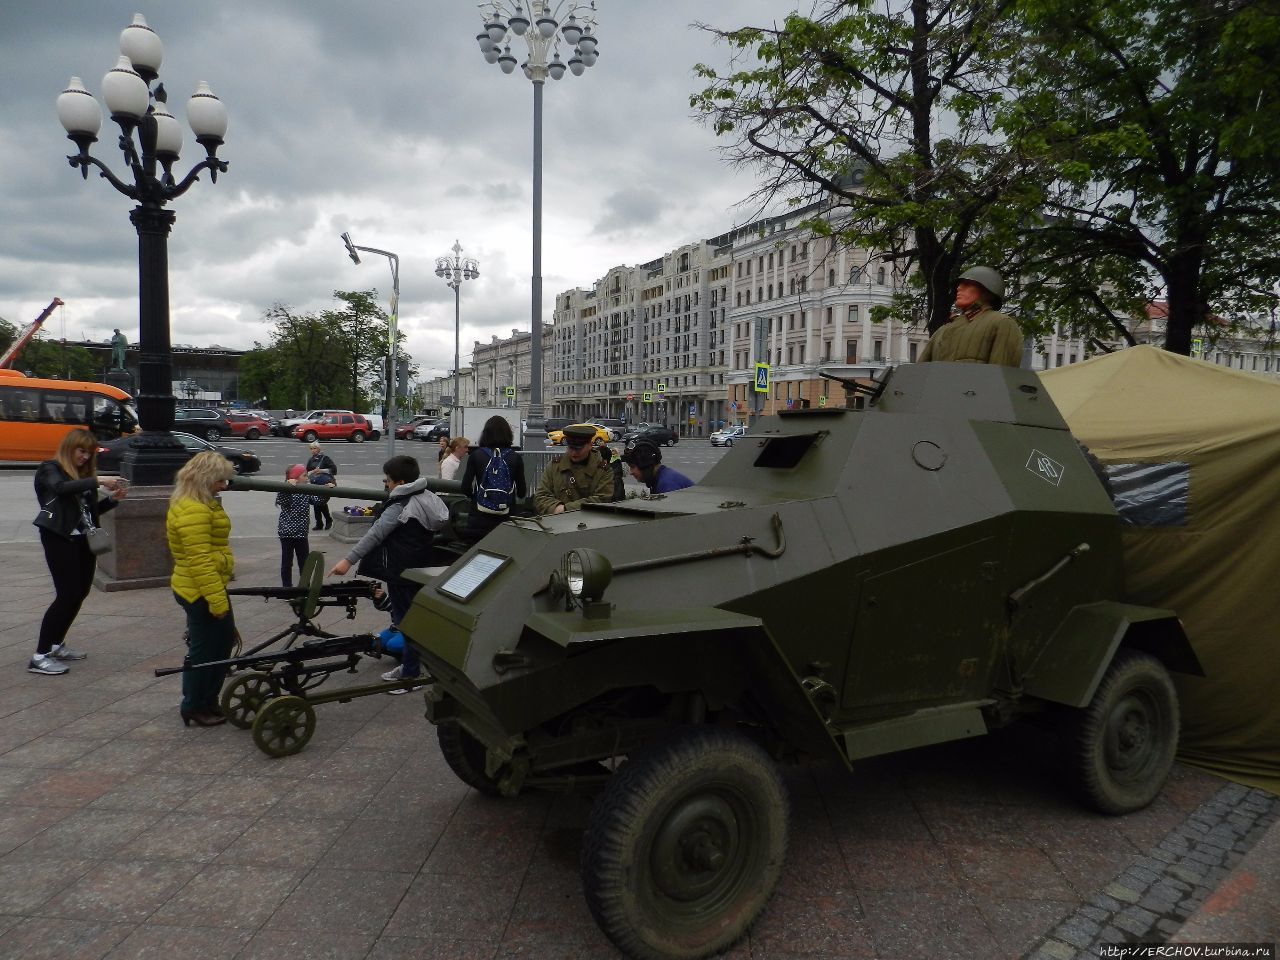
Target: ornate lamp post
(453,270)
(575,23)
(142,115)
(393,336)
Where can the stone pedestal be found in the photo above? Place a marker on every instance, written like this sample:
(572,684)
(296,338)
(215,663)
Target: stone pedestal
(141,555)
(121,380)
(349,529)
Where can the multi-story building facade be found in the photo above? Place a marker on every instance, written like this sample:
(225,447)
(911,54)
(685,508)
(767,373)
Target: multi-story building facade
(1248,344)
(503,363)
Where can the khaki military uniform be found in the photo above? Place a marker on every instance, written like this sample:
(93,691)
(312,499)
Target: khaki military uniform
(987,337)
(573,484)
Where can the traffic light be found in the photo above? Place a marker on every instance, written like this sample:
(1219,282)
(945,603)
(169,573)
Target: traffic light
(351,249)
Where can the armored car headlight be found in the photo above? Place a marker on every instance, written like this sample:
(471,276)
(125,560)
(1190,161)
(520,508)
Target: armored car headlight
(587,573)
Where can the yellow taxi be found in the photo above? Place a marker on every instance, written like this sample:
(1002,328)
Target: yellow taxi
(557,436)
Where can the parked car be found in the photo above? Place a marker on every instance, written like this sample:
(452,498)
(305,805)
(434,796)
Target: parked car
(431,432)
(202,421)
(662,436)
(376,425)
(602,434)
(613,425)
(337,426)
(248,425)
(243,461)
(725,437)
(555,423)
(287,424)
(405,430)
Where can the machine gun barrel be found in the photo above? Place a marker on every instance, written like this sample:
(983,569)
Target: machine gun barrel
(311,650)
(347,493)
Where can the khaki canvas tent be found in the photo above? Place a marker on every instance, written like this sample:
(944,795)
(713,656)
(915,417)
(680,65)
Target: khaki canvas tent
(1193,452)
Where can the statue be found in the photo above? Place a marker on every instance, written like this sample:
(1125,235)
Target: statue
(118,346)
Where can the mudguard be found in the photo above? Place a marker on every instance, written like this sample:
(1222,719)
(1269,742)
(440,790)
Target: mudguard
(1072,664)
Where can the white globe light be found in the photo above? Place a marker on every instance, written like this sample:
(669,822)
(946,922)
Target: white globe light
(78,111)
(168,133)
(206,113)
(124,91)
(140,44)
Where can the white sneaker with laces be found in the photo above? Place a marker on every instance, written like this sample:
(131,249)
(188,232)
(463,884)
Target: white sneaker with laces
(43,663)
(392,675)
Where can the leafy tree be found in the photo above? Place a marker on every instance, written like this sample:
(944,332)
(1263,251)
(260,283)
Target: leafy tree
(364,328)
(887,113)
(42,357)
(1160,121)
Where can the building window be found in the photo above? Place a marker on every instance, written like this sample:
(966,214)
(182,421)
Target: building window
(789,359)
(851,351)
(880,276)
(828,316)
(826,350)
(877,347)
(913,349)
(831,278)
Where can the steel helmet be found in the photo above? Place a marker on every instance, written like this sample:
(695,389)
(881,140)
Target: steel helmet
(985,277)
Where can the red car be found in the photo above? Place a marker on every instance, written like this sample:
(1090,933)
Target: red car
(404,431)
(336,426)
(248,425)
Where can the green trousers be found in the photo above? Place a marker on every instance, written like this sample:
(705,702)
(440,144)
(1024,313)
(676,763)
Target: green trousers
(209,638)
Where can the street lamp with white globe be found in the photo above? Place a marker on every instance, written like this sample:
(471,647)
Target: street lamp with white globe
(542,29)
(453,270)
(151,141)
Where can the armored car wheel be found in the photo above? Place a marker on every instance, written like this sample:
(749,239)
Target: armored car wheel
(685,845)
(243,696)
(1126,737)
(465,756)
(284,725)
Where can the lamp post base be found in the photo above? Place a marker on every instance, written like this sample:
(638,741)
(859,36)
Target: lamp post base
(140,558)
(153,458)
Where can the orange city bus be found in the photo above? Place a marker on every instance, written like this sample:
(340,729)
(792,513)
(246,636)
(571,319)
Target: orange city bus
(35,414)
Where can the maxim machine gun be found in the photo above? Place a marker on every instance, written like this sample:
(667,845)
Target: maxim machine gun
(842,584)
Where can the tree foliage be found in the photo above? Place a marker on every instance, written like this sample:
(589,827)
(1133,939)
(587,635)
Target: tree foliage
(43,357)
(326,359)
(886,112)
(1158,122)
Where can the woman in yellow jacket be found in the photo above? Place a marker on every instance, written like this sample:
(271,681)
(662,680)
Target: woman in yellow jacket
(198,531)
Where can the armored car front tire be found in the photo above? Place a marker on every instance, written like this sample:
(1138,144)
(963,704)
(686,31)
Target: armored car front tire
(465,756)
(1125,739)
(685,845)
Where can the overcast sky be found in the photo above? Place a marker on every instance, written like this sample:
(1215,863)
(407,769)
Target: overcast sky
(380,118)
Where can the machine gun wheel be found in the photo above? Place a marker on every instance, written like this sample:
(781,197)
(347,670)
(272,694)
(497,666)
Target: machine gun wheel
(243,696)
(465,756)
(284,725)
(1126,737)
(685,845)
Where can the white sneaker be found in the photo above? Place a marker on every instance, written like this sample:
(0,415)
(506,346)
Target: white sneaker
(398,691)
(62,652)
(43,663)
(392,675)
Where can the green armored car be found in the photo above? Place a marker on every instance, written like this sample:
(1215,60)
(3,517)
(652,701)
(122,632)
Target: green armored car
(842,584)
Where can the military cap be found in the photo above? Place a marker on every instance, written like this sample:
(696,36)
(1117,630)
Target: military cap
(579,434)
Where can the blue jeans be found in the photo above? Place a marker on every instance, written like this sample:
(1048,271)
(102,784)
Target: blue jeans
(402,595)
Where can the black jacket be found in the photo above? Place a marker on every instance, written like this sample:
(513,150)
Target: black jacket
(60,498)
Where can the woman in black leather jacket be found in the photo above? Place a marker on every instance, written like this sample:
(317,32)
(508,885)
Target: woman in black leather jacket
(67,490)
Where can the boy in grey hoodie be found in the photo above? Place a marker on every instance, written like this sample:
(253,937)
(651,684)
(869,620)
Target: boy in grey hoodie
(400,538)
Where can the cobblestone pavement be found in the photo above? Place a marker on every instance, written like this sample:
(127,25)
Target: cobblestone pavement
(125,835)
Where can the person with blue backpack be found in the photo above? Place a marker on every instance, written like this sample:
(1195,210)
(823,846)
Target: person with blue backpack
(493,479)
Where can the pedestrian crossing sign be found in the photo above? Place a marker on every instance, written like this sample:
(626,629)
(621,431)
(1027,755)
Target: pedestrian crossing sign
(662,388)
(648,397)
(762,378)
(509,391)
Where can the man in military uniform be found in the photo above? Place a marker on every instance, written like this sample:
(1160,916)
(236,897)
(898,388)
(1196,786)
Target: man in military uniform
(575,477)
(978,333)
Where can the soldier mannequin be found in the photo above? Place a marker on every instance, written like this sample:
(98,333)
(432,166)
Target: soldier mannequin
(978,333)
(574,477)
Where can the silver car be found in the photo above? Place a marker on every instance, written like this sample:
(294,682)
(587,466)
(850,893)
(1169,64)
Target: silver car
(725,437)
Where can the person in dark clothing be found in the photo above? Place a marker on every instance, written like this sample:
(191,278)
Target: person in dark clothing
(321,470)
(67,491)
(495,438)
(400,538)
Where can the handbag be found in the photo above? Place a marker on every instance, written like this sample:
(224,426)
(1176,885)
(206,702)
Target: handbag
(99,541)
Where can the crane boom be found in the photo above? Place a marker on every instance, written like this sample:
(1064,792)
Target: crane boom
(26,333)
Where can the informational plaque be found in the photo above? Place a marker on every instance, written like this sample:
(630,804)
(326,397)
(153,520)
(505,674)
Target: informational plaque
(473,575)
